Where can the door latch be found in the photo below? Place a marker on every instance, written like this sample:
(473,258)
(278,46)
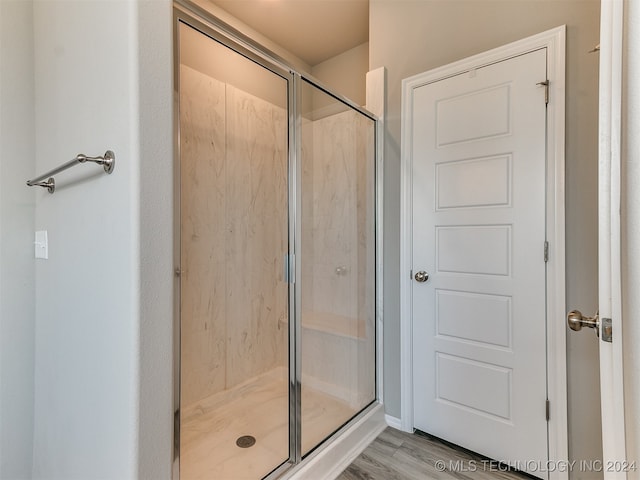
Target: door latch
(607,330)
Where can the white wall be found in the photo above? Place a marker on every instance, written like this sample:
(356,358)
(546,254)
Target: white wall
(16,239)
(86,292)
(104,297)
(412,36)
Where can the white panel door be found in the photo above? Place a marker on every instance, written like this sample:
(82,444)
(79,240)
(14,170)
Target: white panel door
(479,321)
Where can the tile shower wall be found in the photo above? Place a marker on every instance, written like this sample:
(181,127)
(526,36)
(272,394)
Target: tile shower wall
(338,257)
(233,203)
(232,329)
(342,229)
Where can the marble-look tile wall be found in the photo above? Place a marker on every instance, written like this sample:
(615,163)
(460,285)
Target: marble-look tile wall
(233,235)
(338,217)
(338,257)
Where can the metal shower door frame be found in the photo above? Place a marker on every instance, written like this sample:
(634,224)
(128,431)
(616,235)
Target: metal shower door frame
(190,14)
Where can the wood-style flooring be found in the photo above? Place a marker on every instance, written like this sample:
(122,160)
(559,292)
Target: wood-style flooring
(396,455)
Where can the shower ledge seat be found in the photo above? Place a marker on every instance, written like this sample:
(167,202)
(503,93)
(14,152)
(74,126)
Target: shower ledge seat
(335,324)
(332,344)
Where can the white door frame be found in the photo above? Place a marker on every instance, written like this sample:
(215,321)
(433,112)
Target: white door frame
(611,130)
(554,41)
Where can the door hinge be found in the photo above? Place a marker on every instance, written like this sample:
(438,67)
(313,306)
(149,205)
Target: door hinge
(546,251)
(545,84)
(547,408)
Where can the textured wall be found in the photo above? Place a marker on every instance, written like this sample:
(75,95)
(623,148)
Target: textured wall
(153,116)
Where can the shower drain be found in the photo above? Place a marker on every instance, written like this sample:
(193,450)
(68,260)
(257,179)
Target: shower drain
(246,441)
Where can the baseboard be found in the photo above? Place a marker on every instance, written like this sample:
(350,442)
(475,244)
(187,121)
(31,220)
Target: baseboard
(338,454)
(393,422)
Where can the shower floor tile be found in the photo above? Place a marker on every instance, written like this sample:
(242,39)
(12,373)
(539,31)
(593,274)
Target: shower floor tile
(260,408)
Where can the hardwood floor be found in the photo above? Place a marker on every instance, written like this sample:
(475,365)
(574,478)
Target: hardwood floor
(396,455)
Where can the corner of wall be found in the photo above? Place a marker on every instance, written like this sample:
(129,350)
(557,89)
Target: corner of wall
(155,223)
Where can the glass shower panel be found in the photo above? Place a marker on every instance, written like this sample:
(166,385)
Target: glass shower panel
(234,376)
(338,264)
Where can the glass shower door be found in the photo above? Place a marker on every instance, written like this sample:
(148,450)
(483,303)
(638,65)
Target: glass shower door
(337,259)
(234,342)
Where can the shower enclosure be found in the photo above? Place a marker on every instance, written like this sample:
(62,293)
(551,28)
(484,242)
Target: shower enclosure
(275,223)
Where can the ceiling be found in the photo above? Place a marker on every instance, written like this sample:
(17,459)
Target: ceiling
(313,30)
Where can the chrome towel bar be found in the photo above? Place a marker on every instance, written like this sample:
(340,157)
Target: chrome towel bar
(108,162)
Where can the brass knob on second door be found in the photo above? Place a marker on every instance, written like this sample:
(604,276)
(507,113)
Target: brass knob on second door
(576,321)
(421,276)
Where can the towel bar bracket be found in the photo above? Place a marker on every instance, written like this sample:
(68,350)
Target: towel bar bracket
(108,160)
(50,184)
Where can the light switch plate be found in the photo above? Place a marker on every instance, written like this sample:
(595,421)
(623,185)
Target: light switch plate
(42,244)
